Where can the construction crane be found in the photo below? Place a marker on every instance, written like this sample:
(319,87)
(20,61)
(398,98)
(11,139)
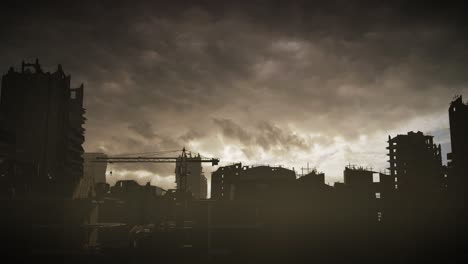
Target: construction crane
(183,158)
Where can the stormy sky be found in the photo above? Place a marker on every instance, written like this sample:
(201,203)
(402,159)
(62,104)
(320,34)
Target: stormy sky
(258,82)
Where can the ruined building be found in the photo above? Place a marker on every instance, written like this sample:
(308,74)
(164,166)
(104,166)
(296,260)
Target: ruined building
(45,115)
(366,194)
(415,163)
(189,176)
(369,183)
(416,168)
(458,158)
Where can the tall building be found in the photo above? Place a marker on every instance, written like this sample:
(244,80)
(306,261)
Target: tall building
(6,153)
(415,163)
(420,183)
(189,176)
(458,158)
(6,143)
(46,117)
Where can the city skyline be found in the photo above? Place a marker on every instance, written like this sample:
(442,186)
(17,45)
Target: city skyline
(327,87)
(249,132)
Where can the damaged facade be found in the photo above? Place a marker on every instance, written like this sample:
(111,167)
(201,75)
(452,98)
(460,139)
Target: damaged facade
(420,183)
(46,116)
(415,163)
(42,158)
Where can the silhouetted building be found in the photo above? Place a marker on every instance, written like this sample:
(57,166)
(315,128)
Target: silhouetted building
(415,164)
(236,182)
(224,180)
(417,171)
(312,189)
(191,171)
(6,147)
(338,186)
(6,160)
(365,195)
(42,118)
(6,141)
(314,178)
(358,178)
(360,196)
(458,158)
(312,186)
(265,181)
(129,202)
(129,189)
(46,117)
(128,205)
(385,185)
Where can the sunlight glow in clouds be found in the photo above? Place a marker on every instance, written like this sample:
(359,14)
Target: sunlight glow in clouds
(140,176)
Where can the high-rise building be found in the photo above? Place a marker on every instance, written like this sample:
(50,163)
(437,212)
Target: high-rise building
(415,163)
(46,117)
(458,158)
(6,143)
(189,176)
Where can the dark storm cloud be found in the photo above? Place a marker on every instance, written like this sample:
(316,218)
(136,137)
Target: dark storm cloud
(143,129)
(233,130)
(266,136)
(191,135)
(272,135)
(263,74)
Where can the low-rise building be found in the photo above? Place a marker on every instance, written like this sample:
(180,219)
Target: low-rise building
(235,182)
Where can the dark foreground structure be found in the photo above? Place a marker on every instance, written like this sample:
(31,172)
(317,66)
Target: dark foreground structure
(53,208)
(41,163)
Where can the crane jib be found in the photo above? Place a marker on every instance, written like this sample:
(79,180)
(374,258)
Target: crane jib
(214,162)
